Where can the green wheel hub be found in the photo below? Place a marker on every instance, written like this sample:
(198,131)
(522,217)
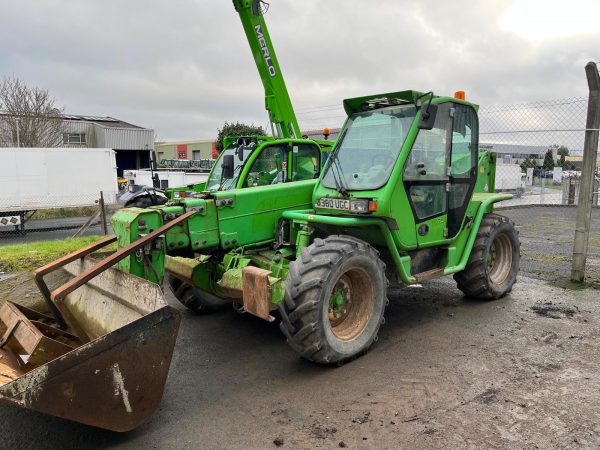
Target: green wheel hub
(338,299)
(350,303)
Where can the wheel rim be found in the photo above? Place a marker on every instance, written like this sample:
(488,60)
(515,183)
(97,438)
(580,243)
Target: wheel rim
(499,259)
(350,304)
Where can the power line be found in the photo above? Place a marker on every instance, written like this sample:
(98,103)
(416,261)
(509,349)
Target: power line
(318,107)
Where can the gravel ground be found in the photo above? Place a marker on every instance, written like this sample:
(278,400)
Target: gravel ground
(520,372)
(547,235)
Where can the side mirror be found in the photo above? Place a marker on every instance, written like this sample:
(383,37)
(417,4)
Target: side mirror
(427,118)
(227,166)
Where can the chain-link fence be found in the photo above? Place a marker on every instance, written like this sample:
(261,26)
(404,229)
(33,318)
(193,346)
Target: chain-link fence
(53,216)
(540,151)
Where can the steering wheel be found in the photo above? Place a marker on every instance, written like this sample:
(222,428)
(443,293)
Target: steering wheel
(279,178)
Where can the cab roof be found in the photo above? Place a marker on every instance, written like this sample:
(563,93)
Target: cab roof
(370,102)
(359,104)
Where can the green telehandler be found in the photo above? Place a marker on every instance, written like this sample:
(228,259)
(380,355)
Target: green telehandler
(405,196)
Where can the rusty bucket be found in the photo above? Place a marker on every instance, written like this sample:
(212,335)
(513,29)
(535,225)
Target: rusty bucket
(102,358)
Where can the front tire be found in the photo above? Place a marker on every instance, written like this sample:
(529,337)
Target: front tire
(197,300)
(335,299)
(493,264)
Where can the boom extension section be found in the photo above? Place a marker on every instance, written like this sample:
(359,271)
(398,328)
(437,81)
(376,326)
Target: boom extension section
(277,99)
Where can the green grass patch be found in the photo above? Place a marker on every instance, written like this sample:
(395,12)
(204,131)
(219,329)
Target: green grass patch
(60,213)
(544,258)
(547,184)
(78,211)
(23,257)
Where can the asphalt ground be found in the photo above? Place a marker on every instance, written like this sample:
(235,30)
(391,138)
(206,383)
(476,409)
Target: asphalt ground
(447,372)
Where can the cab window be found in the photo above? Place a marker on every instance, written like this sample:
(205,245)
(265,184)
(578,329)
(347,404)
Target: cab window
(425,174)
(305,162)
(270,167)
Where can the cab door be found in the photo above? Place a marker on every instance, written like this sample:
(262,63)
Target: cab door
(305,162)
(426,178)
(463,165)
(440,173)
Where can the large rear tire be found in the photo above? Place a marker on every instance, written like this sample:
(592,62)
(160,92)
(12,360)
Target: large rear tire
(335,299)
(493,264)
(197,300)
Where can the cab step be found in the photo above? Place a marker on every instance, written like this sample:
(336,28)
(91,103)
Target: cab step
(429,275)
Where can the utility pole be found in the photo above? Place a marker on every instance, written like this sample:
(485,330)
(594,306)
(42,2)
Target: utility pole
(18,133)
(586,188)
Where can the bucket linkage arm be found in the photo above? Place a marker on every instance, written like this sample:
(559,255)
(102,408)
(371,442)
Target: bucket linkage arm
(54,299)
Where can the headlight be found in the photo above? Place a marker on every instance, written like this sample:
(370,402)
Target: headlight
(359,206)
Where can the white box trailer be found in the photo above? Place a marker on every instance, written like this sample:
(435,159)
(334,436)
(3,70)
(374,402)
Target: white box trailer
(168,178)
(509,178)
(44,178)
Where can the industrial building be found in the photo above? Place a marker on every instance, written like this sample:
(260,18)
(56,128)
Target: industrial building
(131,143)
(191,150)
(516,154)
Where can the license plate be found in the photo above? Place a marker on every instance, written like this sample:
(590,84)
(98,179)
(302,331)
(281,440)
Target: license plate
(333,203)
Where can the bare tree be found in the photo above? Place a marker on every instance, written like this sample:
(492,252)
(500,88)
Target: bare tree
(28,116)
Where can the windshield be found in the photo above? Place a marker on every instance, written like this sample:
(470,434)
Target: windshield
(369,148)
(216,182)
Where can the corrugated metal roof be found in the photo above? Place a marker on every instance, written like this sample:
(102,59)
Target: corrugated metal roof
(90,118)
(103,121)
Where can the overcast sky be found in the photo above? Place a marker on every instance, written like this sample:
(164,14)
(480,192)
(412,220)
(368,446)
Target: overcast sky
(184,67)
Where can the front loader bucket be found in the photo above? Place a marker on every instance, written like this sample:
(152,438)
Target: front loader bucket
(103,359)
(114,381)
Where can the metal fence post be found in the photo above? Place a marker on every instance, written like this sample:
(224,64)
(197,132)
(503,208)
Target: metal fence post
(103,214)
(590,152)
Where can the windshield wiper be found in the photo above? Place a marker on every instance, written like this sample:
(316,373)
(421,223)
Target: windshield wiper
(333,162)
(341,188)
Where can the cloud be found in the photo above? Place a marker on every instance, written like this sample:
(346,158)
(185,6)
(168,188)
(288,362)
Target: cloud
(185,68)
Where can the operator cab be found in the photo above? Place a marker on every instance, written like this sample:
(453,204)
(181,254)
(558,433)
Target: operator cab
(404,151)
(261,161)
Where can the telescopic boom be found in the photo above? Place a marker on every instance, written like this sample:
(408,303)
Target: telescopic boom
(277,100)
